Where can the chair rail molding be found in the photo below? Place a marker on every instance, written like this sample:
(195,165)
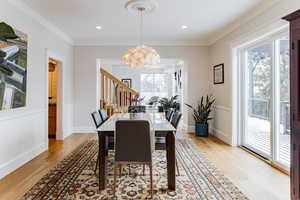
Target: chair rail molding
(19,113)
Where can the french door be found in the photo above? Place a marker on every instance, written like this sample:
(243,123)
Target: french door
(265,94)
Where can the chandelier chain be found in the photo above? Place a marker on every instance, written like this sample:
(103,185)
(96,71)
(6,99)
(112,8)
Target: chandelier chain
(141,27)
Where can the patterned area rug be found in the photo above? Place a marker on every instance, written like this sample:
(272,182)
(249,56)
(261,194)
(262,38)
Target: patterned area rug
(74,178)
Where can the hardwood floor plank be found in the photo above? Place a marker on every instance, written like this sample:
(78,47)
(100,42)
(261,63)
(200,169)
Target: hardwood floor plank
(256,179)
(16,184)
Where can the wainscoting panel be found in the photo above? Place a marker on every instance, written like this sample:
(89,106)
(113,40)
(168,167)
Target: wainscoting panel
(22,137)
(221,125)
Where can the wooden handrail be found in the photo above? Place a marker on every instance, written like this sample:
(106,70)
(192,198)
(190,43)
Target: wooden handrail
(115,95)
(115,79)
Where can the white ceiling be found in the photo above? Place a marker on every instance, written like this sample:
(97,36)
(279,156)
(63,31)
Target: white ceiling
(78,19)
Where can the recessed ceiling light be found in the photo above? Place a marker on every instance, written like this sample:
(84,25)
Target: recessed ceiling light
(184,27)
(98,27)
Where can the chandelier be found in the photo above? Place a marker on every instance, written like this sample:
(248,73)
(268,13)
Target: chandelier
(141,55)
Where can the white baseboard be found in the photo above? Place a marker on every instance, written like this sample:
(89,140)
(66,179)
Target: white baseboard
(222,136)
(84,130)
(191,129)
(20,160)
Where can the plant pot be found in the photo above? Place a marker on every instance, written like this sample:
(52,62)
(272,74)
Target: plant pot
(160,109)
(201,130)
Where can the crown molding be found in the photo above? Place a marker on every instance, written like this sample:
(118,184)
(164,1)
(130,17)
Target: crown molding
(149,43)
(41,20)
(243,19)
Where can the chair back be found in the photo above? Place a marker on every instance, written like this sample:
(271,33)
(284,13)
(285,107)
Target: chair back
(97,119)
(176,119)
(103,114)
(169,115)
(133,141)
(137,109)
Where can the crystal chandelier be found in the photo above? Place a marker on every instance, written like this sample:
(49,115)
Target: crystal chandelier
(141,55)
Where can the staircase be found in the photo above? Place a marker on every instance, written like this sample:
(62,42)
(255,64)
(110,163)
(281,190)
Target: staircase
(115,95)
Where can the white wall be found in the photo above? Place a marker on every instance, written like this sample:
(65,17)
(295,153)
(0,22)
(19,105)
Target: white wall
(221,52)
(23,131)
(196,66)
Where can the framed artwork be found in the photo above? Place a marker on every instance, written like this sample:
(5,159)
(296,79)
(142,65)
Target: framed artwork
(127,81)
(13,67)
(219,74)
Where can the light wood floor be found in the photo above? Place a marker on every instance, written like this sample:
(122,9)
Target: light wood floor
(256,179)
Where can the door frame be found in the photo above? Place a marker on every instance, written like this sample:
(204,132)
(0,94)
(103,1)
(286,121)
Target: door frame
(240,97)
(60,122)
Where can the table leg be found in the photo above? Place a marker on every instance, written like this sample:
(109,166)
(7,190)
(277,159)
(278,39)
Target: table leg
(102,160)
(171,159)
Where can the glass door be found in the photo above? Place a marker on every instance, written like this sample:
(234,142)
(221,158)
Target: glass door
(283,128)
(258,104)
(265,98)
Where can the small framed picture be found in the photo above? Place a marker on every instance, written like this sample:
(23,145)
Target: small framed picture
(219,74)
(127,81)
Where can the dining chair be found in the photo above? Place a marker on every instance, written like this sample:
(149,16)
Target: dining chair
(97,119)
(98,122)
(110,140)
(176,119)
(169,114)
(103,114)
(160,142)
(133,146)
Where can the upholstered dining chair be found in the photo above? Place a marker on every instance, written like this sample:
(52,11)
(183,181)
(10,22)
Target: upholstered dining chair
(97,119)
(160,142)
(169,114)
(133,146)
(110,140)
(103,114)
(176,119)
(98,122)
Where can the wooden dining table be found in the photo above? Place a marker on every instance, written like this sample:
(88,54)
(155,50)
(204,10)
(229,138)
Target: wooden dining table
(161,127)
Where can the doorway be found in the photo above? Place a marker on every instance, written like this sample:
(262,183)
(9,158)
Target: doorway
(52,97)
(265,104)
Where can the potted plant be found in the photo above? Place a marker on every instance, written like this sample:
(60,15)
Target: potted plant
(169,103)
(137,99)
(201,115)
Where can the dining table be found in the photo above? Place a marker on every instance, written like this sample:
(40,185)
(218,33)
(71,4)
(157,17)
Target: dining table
(161,128)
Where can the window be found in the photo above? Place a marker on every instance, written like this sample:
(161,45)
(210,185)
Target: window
(155,85)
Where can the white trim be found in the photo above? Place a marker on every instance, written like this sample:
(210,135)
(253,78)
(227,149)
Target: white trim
(276,30)
(222,136)
(41,20)
(21,114)
(241,82)
(248,16)
(61,123)
(98,83)
(84,130)
(150,43)
(224,108)
(20,160)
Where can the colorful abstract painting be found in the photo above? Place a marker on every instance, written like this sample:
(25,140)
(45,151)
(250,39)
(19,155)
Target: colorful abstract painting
(13,67)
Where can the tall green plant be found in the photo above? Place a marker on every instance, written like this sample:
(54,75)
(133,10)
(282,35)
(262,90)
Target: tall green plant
(201,113)
(169,103)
